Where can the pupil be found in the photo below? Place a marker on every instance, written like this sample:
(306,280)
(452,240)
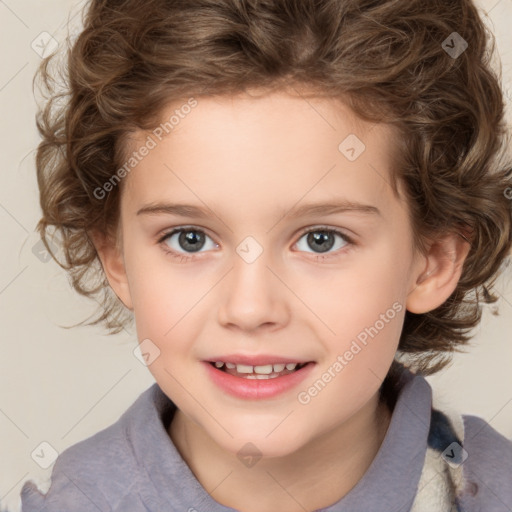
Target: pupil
(191,240)
(318,239)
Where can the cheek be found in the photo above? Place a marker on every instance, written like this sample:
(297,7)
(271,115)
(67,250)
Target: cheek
(168,309)
(364,308)
(356,296)
(358,357)
(161,293)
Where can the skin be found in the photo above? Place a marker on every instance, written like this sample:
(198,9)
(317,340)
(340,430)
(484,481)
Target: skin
(250,160)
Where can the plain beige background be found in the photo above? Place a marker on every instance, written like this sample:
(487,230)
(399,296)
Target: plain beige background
(61,386)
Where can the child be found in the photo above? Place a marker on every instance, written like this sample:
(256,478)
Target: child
(303,206)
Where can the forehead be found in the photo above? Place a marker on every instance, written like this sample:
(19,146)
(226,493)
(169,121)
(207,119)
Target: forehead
(256,150)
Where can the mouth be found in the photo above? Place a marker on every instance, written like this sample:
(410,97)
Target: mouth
(259,372)
(266,378)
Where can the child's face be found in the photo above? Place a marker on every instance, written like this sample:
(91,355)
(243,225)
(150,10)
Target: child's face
(248,163)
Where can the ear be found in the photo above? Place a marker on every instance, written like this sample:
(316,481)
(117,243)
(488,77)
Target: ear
(440,273)
(112,261)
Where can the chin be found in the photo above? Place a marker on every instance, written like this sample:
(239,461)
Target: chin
(258,445)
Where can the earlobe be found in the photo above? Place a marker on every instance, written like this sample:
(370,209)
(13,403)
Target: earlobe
(112,261)
(439,277)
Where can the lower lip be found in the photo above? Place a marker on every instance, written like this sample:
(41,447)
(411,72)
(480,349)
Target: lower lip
(256,388)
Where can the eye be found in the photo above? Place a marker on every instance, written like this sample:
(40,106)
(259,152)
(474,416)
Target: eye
(190,240)
(183,242)
(323,239)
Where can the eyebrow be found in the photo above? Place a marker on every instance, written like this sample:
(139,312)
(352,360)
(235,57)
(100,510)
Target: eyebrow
(188,210)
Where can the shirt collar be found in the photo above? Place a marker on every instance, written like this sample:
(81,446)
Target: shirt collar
(389,484)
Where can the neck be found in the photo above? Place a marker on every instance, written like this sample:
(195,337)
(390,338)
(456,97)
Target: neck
(311,478)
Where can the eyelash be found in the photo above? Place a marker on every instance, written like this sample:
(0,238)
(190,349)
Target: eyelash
(184,258)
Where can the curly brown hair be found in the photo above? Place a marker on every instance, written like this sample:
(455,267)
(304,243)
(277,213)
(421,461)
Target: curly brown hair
(389,60)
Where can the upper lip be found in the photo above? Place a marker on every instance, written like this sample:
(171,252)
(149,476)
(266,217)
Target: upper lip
(259,360)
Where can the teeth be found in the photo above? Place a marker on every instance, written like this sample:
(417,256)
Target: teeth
(261,371)
(244,368)
(255,376)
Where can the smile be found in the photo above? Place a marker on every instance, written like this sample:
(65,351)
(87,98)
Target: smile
(257,381)
(262,372)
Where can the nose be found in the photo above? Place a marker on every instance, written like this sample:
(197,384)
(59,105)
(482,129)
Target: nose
(253,297)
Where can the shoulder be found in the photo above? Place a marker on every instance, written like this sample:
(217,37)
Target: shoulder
(477,457)
(95,474)
(83,475)
(488,466)
(489,445)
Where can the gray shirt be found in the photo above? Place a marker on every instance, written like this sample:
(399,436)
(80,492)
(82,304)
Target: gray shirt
(133,465)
